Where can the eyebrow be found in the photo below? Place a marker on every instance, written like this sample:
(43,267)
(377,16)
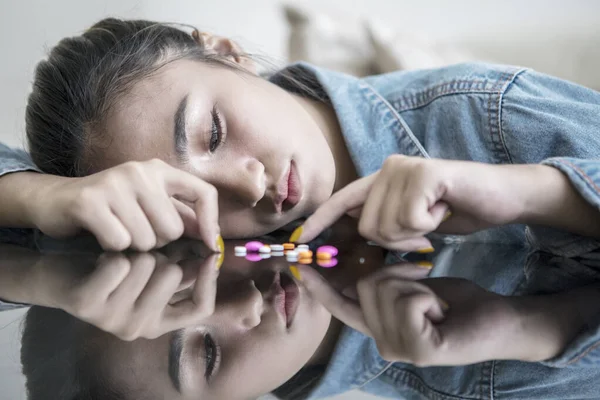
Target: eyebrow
(181,141)
(175,351)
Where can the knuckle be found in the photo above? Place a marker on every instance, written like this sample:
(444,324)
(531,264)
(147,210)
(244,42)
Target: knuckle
(385,234)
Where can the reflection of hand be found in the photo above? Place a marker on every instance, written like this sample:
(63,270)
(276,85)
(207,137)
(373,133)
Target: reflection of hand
(131,296)
(409,197)
(410,323)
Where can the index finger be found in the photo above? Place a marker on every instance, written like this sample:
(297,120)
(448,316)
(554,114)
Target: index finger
(344,309)
(342,201)
(204,196)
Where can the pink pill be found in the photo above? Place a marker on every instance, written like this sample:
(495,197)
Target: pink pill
(328,249)
(327,263)
(254,246)
(254,257)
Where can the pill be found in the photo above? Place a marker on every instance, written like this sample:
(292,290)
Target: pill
(362,260)
(328,249)
(264,249)
(253,257)
(291,259)
(277,253)
(289,246)
(291,253)
(265,255)
(240,249)
(277,247)
(305,254)
(305,261)
(253,246)
(327,263)
(302,247)
(321,255)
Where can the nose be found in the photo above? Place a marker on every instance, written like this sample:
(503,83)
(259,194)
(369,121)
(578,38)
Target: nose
(244,179)
(243,306)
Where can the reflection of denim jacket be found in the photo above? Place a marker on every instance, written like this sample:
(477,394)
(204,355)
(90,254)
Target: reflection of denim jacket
(491,114)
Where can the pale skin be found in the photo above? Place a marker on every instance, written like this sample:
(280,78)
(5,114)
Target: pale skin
(142,195)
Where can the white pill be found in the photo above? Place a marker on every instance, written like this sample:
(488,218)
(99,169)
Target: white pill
(264,250)
(277,253)
(277,247)
(302,247)
(362,260)
(265,255)
(239,249)
(291,253)
(291,259)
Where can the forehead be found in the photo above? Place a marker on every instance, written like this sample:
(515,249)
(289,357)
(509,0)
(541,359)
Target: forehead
(140,124)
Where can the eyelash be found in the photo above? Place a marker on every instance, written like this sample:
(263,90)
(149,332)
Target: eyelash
(216,137)
(212,353)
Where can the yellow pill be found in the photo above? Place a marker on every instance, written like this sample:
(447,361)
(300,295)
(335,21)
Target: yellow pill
(321,255)
(305,261)
(289,246)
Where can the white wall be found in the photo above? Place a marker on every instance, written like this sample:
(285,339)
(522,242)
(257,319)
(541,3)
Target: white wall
(29,27)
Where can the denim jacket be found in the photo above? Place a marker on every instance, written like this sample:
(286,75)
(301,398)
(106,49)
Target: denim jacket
(486,113)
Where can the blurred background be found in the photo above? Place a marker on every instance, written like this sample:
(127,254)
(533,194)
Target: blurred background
(561,38)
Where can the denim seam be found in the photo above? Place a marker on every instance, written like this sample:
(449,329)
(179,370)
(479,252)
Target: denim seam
(585,352)
(375,376)
(415,383)
(398,118)
(432,93)
(507,85)
(583,175)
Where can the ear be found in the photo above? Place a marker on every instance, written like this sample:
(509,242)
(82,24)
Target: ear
(226,48)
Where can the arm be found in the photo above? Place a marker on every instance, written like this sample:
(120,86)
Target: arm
(551,122)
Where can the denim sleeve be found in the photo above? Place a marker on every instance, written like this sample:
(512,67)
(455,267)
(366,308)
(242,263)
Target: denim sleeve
(553,122)
(550,121)
(14,160)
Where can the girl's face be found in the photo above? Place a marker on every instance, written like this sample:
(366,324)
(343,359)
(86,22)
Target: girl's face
(242,134)
(257,349)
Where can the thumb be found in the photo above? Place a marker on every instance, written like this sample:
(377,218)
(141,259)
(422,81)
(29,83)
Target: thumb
(348,198)
(344,309)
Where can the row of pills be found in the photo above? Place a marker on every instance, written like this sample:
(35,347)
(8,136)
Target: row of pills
(256,251)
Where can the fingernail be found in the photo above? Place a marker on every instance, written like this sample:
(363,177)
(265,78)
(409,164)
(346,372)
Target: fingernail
(296,234)
(447,216)
(295,272)
(425,264)
(445,306)
(426,250)
(220,244)
(220,260)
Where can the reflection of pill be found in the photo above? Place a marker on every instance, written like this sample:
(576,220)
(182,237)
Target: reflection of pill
(253,246)
(321,255)
(253,257)
(302,247)
(291,253)
(265,255)
(305,261)
(277,253)
(264,249)
(289,246)
(291,259)
(305,254)
(328,249)
(277,247)
(327,263)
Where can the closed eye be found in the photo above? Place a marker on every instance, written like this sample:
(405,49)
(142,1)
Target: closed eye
(212,356)
(216,131)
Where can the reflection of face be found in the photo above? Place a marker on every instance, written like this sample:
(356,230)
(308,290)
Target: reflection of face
(244,134)
(257,351)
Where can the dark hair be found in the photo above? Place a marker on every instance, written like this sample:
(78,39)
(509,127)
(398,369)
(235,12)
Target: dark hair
(61,360)
(85,75)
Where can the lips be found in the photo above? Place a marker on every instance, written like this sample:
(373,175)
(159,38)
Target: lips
(285,297)
(289,189)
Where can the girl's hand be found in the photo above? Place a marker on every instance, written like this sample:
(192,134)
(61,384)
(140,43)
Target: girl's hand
(412,196)
(143,295)
(410,323)
(131,205)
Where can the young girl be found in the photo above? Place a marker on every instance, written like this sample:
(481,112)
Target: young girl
(147,132)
